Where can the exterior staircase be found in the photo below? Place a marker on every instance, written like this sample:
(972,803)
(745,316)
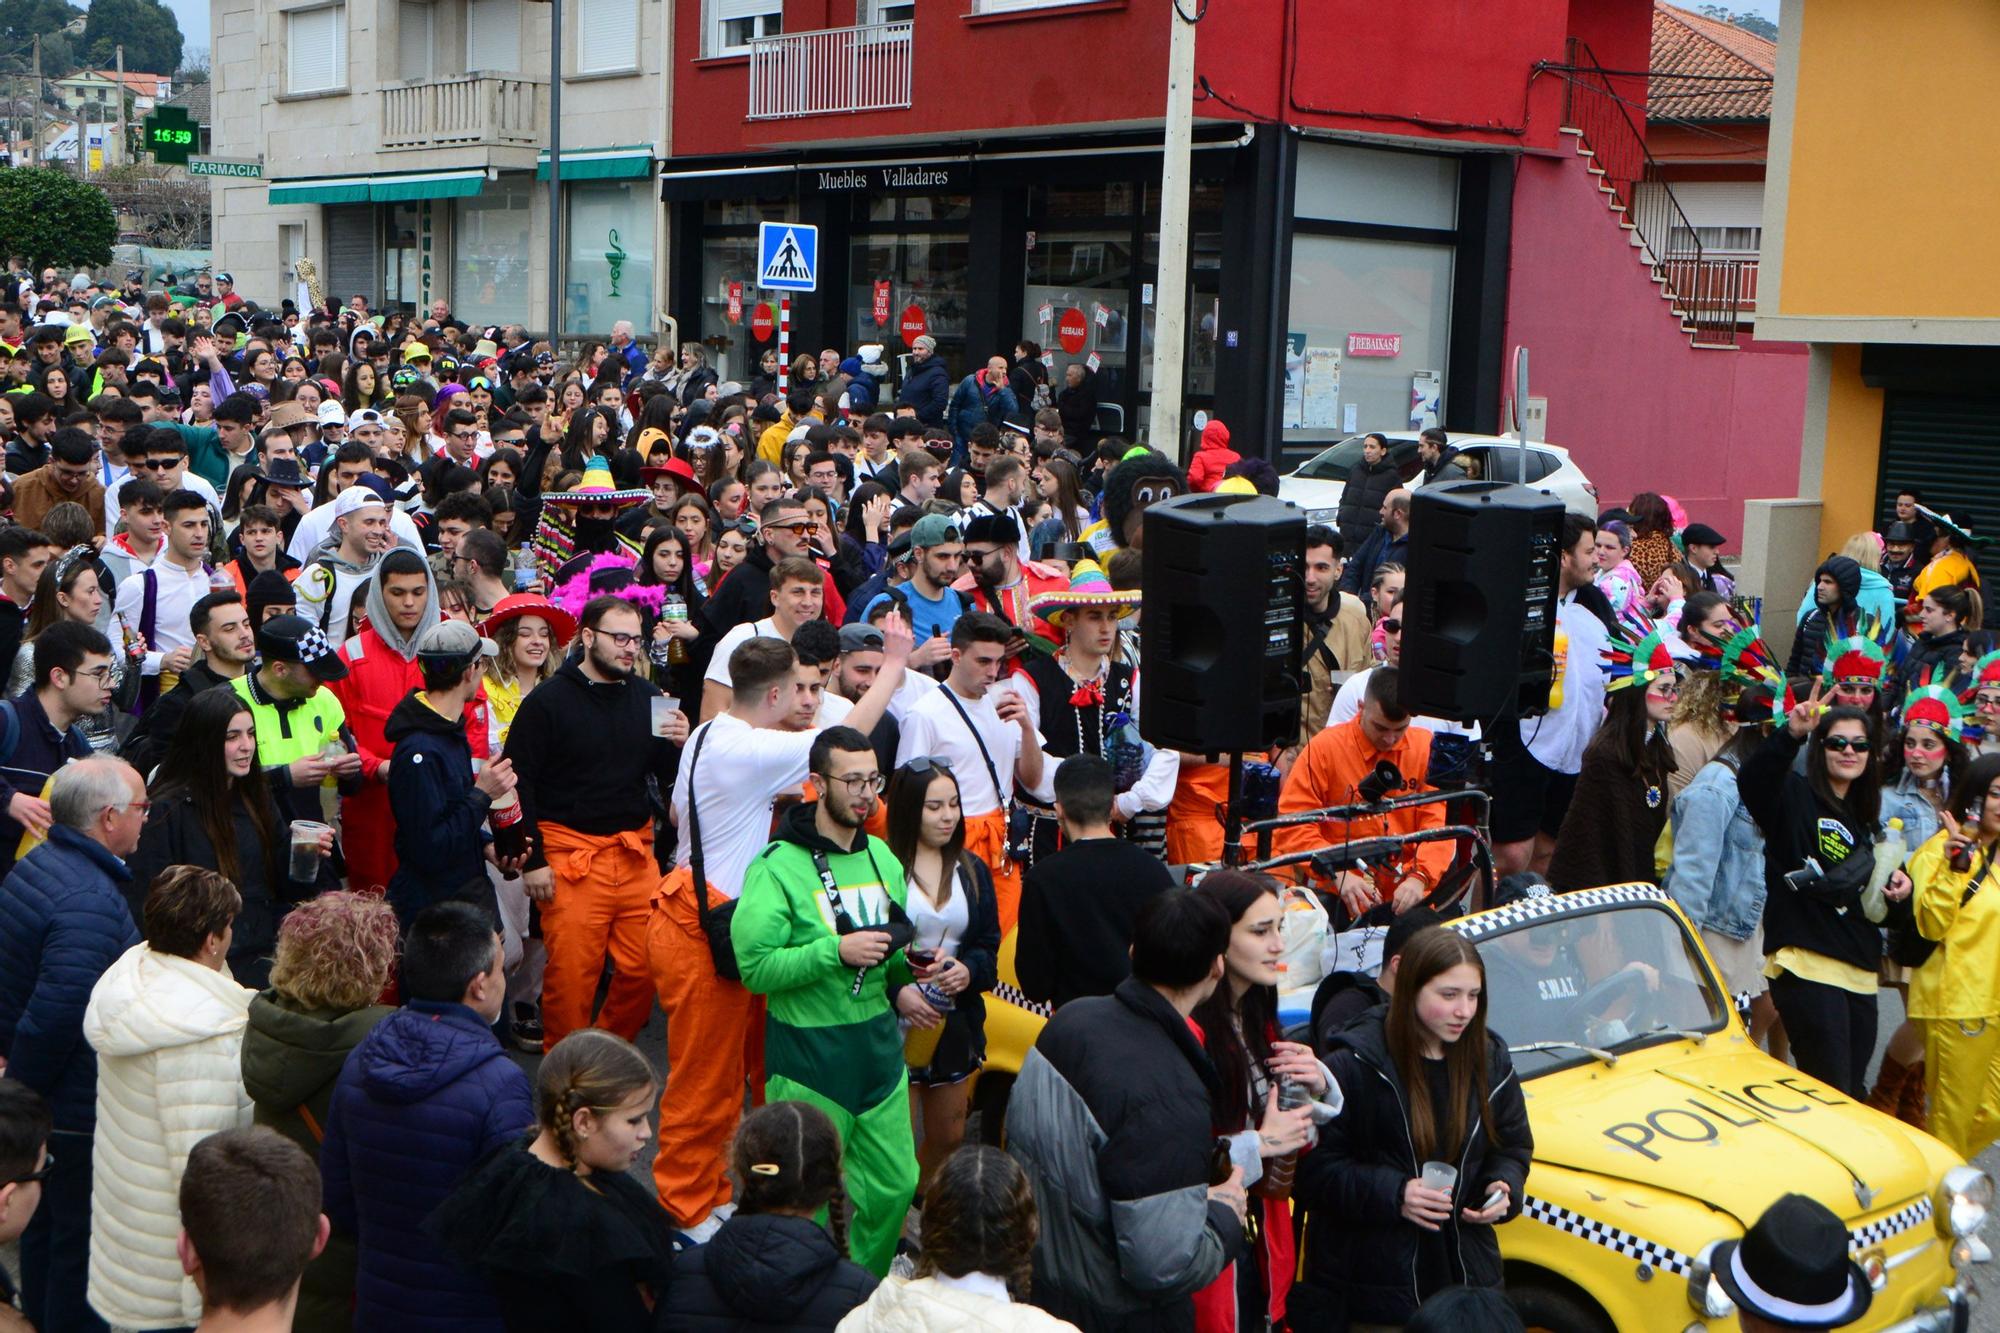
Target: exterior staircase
(1710,297)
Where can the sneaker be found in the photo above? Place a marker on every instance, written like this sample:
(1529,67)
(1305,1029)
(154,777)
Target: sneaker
(702,1232)
(527,1029)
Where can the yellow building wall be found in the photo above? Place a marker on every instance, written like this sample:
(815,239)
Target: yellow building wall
(1894,184)
(1853,459)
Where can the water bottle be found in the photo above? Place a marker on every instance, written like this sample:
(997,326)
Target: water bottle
(675,612)
(1278,1171)
(1889,853)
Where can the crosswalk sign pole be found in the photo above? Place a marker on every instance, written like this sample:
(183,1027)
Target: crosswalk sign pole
(784,343)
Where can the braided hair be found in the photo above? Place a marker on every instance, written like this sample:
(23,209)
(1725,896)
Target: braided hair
(589,1070)
(979,1217)
(787,1159)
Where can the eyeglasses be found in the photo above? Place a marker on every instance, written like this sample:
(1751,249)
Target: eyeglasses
(102,675)
(465,435)
(1666,689)
(622,640)
(1842,744)
(40,1174)
(857,783)
(801,528)
(143,807)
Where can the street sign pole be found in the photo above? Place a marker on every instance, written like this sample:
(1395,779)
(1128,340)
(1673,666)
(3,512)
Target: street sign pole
(555,175)
(784,342)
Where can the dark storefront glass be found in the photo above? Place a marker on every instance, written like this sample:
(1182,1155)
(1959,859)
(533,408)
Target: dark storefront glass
(729,254)
(919,245)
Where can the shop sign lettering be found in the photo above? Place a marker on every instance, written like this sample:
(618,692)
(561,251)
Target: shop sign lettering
(1374,344)
(865,180)
(1702,1119)
(615,258)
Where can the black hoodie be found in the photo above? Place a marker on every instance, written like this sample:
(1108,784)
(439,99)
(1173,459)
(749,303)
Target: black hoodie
(440,838)
(1809,648)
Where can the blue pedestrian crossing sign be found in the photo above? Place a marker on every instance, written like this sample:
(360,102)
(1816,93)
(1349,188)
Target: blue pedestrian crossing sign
(788,256)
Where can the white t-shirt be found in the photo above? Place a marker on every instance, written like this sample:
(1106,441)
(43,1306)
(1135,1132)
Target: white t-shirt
(718,665)
(190,481)
(179,590)
(315,524)
(1347,707)
(1558,738)
(934,727)
(833,710)
(742,770)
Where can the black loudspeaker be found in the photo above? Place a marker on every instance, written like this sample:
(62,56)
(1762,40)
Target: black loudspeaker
(1220,631)
(1479,600)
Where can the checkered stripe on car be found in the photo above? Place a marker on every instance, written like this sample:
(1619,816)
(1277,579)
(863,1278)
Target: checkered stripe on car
(1611,1238)
(1012,995)
(1882,1228)
(1555,904)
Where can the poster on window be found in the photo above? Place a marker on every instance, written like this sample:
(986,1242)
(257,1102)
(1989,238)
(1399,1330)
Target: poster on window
(1295,381)
(1426,397)
(735,303)
(1322,388)
(881,311)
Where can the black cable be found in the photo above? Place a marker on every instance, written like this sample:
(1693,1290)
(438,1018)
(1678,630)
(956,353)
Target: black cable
(1208,94)
(1199,15)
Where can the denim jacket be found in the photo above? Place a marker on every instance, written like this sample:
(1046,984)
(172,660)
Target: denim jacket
(1717,875)
(1906,801)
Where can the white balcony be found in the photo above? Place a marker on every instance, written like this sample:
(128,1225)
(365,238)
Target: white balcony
(830,72)
(473,110)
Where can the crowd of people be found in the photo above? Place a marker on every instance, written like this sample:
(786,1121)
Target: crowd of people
(385,694)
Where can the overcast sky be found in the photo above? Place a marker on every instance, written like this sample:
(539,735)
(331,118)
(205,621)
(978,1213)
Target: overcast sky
(193,15)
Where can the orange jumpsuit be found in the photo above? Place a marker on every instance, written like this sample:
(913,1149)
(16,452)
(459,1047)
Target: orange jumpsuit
(1329,771)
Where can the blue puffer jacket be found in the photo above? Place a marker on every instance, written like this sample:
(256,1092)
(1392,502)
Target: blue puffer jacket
(1718,870)
(63,920)
(426,1094)
(971,404)
(927,389)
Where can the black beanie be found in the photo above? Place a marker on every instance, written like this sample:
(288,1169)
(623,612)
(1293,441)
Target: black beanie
(268,589)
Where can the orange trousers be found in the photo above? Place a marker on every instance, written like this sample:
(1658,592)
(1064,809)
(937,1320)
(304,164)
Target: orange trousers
(604,891)
(986,838)
(715,1043)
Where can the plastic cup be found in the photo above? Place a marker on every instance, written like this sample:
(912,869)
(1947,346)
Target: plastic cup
(664,708)
(305,849)
(1439,1176)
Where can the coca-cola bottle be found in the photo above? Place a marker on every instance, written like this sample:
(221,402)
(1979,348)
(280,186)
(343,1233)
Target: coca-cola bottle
(510,833)
(1278,1171)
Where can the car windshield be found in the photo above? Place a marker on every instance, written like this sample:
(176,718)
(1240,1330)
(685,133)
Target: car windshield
(1608,980)
(1334,463)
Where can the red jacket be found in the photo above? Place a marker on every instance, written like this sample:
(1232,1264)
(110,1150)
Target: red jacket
(379,678)
(1212,460)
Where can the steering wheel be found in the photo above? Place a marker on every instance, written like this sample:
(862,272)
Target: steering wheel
(1595,1000)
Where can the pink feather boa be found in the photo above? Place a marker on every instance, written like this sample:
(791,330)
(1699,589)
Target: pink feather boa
(574,593)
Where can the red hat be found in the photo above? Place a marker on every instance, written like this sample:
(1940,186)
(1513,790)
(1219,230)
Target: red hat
(677,468)
(561,623)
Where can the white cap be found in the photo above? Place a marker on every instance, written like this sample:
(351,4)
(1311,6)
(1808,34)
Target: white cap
(331,413)
(364,416)
(353,498)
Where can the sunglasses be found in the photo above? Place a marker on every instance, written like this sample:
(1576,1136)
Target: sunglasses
(928,763)
(1842,744)
(1392,626)
(801,528)
(39,1175)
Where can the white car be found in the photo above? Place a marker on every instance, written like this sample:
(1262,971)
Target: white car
(1316,484)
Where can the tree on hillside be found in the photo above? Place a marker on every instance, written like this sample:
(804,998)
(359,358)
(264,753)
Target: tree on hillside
(21,21)
(53,218)
(148,30)
(1755,24)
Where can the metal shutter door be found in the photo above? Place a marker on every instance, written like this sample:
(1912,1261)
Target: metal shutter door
(350,252)
(1940,443)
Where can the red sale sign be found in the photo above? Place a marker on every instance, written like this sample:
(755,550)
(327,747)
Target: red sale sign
(1072,331)
(762,322)
(881,302)
(912,324)
(1374,344)
(735,303)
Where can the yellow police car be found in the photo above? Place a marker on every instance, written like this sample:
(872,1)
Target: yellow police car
(1661,1130)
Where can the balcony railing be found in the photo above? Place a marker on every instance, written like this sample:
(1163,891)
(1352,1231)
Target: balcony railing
(474,109)
(830,72)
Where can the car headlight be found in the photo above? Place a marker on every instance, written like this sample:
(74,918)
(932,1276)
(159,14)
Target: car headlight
(1962,1201)
(1705,1294)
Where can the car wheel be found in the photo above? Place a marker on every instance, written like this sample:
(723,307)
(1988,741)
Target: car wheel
(1547,1310)
(989,1103)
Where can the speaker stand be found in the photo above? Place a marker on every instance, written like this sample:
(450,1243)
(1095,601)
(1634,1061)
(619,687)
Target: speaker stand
(1232,820)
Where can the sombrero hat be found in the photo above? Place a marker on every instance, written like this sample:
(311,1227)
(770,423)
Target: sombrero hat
(561,623)
(598,488)
(1087,587)
(1946,522)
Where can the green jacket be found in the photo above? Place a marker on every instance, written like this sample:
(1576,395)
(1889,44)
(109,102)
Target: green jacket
(818,1032)
(292,1057)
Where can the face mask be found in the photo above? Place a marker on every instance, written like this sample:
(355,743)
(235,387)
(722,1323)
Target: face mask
(594,533)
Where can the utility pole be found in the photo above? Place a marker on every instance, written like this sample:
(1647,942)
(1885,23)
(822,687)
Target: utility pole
(120,157)
(35,110)
(1170,315)
(555,175)
(83,138)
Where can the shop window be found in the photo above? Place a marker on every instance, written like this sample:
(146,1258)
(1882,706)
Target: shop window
(1010,6)
(1076,303)
(733,24)
(1343,183)
(928,270)
(404,229)
(493,36)
(608,273)
(1370,324)
(607,36)
(884,11)
(492,240)
(316,49)
(729,255)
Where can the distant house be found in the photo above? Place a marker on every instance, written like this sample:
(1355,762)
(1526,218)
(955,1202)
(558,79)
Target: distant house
(97,89)
(1708,124)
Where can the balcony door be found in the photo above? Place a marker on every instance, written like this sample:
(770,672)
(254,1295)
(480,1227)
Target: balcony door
(493,36)
(416,41)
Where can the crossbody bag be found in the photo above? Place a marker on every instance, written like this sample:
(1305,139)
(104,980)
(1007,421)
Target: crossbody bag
(1908,946)
(899,928)
(714,920)
(1020,820)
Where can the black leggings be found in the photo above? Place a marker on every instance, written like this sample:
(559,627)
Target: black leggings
(1832,1031)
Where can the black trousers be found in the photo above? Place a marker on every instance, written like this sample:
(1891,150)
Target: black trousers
(1832,1031)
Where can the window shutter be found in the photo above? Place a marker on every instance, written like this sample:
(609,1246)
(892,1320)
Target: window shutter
(493,36)
(607,36)
(316,50)
(413,41)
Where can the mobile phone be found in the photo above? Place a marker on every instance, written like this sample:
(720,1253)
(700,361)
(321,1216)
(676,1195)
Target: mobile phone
(1493,1199)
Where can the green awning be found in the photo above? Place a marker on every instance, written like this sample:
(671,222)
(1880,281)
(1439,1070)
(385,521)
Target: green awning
(379,189)
(625,162)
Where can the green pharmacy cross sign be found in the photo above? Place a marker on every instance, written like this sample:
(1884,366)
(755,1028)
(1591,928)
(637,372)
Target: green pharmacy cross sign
(170,135)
